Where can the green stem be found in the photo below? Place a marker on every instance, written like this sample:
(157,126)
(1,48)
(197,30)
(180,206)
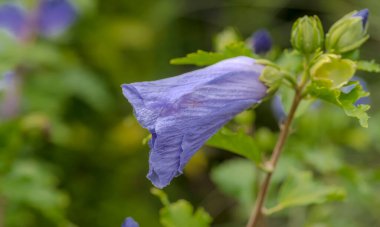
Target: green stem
(257,213)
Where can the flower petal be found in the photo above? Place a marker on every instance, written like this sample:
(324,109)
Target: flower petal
(183,112)
(364,15)
(55,16)
(12,19)
(130,222)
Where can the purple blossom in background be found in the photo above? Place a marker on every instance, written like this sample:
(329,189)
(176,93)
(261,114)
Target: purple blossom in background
(278,109)
(261,41)
(54,16)
(10,86)
(129,222)
(183,112)
(364,15)
(50,18)
(13,19)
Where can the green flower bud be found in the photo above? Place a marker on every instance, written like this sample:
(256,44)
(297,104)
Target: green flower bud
(307,34)
(348,33)
(333,70)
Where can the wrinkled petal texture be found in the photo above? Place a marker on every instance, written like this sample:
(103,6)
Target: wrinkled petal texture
(129,222)
(13,19)
(183,112)
(54,16)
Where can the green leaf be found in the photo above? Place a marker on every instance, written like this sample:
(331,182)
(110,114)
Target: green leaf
(369,66)
(181,213)
(346,101)
(236,142)
(300,190)
(291,61)
(31,183)
(236,178)
(203,58)
(286,96)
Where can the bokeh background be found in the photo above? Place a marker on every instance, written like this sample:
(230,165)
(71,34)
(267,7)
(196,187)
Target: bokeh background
(73,154)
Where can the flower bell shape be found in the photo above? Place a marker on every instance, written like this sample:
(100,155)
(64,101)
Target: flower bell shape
(183,112)
(130,222)
(49,18)
(261,42)
(348,33)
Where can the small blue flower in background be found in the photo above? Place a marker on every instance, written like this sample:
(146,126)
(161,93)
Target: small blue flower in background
(261,41)
(10,85)
(279,111)
(364,15)
(55,16)
(129,222)
(183,112)
(365,100)
(50,18)
(13,19)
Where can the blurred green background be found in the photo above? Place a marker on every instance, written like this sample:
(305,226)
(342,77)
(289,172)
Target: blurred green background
(74,155)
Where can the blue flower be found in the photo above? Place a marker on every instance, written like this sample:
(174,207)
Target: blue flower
(129,222)
(49,18)
(364,15)
(10,85)
(13,19)
(261,41)
(183,112)
(365,100)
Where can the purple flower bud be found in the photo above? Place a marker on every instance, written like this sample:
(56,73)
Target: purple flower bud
(129,222)
(55,16)
(13,19)
(261,41)
(364,15)
(183,112)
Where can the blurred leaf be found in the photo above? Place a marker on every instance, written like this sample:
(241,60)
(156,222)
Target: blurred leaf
(236,142)
(226,37)
(42,54)
(300,190)
(30,183)
(346,100)
(181,213)
(291,61)
(203,58)
(47,92)
(369,66)
(236,178)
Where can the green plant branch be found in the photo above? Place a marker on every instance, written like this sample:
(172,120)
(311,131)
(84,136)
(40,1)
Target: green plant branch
(257,212)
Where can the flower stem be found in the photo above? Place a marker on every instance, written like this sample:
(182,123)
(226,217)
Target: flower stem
(257,213)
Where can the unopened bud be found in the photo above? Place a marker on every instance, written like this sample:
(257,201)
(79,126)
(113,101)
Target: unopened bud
(307,34)
(348,33)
